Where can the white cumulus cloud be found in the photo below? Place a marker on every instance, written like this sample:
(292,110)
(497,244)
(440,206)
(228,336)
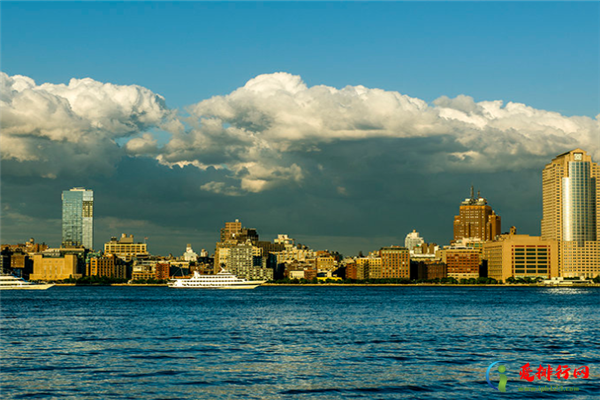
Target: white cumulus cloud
(50,129)
(260,131)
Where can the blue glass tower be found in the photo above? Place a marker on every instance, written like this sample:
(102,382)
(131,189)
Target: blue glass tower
(78,218)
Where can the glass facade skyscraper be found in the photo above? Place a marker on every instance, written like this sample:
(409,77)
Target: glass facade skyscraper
(78,218)
(579,223)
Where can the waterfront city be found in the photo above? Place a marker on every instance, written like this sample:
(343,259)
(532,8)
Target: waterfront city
(567,252)
(408,193)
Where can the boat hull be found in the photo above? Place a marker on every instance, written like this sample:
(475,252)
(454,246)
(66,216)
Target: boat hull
(234,287)
(28,287)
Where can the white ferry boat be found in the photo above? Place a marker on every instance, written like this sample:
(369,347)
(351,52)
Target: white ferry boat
(222,280)
(9,282)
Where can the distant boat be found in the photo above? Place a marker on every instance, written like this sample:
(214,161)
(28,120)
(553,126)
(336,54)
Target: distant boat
(9,282)
(222,280)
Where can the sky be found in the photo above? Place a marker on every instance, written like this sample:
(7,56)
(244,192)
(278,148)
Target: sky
(345,125)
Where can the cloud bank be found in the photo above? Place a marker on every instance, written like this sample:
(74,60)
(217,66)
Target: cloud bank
(50,130)
(275,131)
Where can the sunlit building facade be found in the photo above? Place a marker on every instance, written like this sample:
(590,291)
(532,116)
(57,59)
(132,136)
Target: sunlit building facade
(571,216)
(413,240)
(476,220)
(462,263)
(521,256)
(395,262)
(125,248)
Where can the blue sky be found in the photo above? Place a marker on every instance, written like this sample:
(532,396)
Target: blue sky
(541,54)
(346,169)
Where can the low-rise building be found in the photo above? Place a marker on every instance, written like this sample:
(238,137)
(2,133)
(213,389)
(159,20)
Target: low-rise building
(162,270)
(108,265)
(373,268)
(325,262)
(520,256)
(54,268)
(125,248)
(395,262)
(461,262)
(351,271)
(427,270)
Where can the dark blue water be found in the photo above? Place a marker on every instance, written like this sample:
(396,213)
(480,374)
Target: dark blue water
(293,342)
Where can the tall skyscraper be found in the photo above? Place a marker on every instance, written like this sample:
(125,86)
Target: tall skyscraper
(78,218)
(571,203)
(476,219)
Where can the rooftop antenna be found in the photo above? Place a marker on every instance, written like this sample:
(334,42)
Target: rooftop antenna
(472,192)
(478,194)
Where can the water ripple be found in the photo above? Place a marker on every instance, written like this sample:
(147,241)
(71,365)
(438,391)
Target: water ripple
(293,342)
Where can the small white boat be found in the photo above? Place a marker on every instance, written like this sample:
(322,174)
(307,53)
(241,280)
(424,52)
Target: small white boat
(222,280)
(9,282)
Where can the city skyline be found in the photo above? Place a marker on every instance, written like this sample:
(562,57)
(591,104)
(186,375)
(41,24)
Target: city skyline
(341,140)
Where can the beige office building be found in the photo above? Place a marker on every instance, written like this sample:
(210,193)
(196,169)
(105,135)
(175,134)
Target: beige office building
(125,248)
(54,268)
(571,212)
(520,256)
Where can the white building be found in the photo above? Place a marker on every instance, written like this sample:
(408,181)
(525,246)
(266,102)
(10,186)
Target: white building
(413,240)
(189,254)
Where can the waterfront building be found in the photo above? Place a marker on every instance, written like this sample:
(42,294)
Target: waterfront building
(351,271)
(325,262)
(296,269)
(295,274)
(245,261)
(476,219)
(181,269)
(231,236)
(78,218)
(189,254)
(55,267)
(312,273)
(290,251)
(427,269)
(231,230)
(108,265)
(269,248)
(571,212)
(413,240)
(125,248)
(154,267)
(16,262)
(425,249)
(520,256)
(28,247)
(162,270)
(363,268)
(373,269)
(395,262)
(461,262)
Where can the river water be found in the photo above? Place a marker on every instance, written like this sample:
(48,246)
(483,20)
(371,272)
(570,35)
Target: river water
(295,342)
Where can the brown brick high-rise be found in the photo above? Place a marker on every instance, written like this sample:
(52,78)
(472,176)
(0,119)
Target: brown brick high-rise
(476,219)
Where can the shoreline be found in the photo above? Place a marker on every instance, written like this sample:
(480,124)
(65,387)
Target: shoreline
(351,285)
(427,285)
